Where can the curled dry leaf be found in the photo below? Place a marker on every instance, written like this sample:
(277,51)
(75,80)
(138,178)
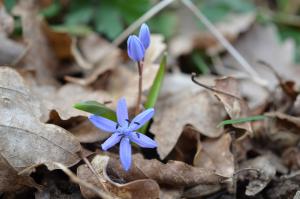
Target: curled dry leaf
(39,56)
(234,105)
(10,180)
(176,110)
(166,193)
(174,173)
(266,171)
(144,188)
(215,154)
(24,140)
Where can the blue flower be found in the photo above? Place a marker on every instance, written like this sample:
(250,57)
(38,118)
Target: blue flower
(135,48)
(125,131)
(144,35)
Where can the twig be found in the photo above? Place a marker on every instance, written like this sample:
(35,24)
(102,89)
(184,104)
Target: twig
(150,13)
(87,162)
(81,182)
(194,75)
(235,54)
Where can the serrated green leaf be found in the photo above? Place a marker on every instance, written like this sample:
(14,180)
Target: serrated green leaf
(97,109)
(155,89)
(242,120)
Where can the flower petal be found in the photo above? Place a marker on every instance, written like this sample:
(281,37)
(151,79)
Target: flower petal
(122,112)
(144,35)
(103,123)
(141,119)
(135,48)
(142,140)
(125,153)
(111,141)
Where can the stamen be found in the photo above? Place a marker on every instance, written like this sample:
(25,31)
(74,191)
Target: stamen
(138,135)
(117,125)
(136,123)
(128,121)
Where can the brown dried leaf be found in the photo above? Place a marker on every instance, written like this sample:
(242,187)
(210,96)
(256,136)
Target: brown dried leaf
(39,55)
(145,188)
(10,180)
(235,106)
(174,111)
(215,154)
(24,140)
(174,173)
(167,193)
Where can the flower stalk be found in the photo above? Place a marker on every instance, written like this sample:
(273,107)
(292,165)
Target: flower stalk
(140,87)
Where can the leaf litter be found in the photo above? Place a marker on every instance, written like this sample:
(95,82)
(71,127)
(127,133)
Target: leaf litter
(194,158)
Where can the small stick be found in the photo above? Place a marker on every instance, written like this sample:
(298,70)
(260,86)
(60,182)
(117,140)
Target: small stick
(235,54)
(139,98)
(87,162)
(149,14)
(211,88)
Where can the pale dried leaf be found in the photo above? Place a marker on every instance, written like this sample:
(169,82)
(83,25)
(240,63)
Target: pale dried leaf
(39,56)
(236,107)
(174,173)
(199,109)
(262,43)
(24,140)
(215,154)
(201,190)
(145,188)
(266,172)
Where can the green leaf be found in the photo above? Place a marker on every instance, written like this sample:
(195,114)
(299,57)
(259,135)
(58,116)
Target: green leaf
(97,109)
(81,12)
(200,63)
(77,30)
(242,120)
(155,89)
(164,23)
(52,10)
(9,4)
(108,21)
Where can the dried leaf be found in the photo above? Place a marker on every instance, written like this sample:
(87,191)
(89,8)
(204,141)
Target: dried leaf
(167,193)
(215,154)
(10,180)
(201,190)
(39,55)
(145,188)
(174,173)
(175,111)
(234,106)
(24,140)
(262,43)
(266,172)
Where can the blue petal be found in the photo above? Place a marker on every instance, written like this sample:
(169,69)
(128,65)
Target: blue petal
(103,123)
(144,35)
(125,153)
(122,113)
(142,140)
(135,48)
(111,141)
(141,119)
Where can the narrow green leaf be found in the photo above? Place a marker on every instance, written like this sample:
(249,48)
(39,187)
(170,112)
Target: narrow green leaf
(155,89)
(242,120)
(97,109)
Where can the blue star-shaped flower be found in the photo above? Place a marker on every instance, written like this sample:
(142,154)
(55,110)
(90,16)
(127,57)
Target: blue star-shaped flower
(125,131)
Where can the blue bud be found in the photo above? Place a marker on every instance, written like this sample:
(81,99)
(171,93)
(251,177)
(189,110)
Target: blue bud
(135,48)
(144,35)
